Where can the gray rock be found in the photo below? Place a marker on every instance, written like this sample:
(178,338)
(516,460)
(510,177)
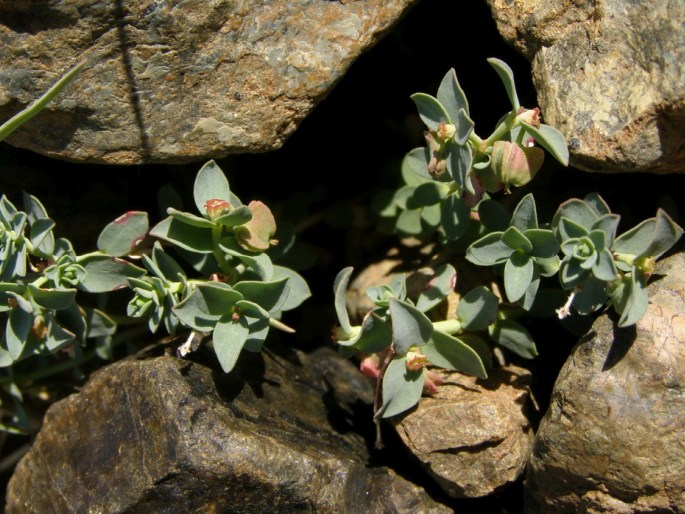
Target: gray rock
(178,81)
(610,75)
(165,435)
(473,436)
(612,439)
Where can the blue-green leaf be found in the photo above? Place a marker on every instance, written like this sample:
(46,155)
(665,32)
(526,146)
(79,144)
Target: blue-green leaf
(608,224)
(415,167)
(477,309)
(189,219)
(105,273)
(568,229)
(299,290)
(454,216)
(228,338)
(402,388)
(525,215)
(450,352)
(191,238)
(451,96)
(519,271)
(459,160)
(516,240)
(493,215)
(507,77)
(513,336)
(551,140)
(237,216)
(56,299)
(544,243)
(633,302)
(340,284)
(269,295)
(591,296)
(464,127)
(488,250)
(577,211)
(410,327)
(440,285)
(430,193)
(42,237)
(409,222)
(212,184)
(121,236)
(651,238)
(430,110)
(17,331)
(375,335)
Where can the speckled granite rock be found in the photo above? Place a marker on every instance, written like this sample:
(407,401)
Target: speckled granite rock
(612,439)
(154,435)
(610,75)
(473,436)
(178,81)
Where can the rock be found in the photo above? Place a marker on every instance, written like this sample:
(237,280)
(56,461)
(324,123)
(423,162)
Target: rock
(473,436)
(609,74)
(612,438)
(160,434)
(178,81)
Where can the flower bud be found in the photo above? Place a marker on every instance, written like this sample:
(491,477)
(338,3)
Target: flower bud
(216,207)
(513,165)
(416,360)
(529,116)
(445,131)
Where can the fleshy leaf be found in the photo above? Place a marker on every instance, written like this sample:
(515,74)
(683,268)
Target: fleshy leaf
(519,272)
(17,331)
(507,77)
(415,167)
(299,290)
(121,236)
(515,240)
(105,273)
(477,309)
(568,229)
(577,211)
(608,224)
(440,285)
(459,162)
(430,110)
(339,290)
(269,295)
(551,140)
(402,388)
(56,299)
(604,268)
(464,127)
(228,338)
(42,237)
(237,216)
(454,217)
(488,250)
(513,336)
(652,237)
(375,335)
(188,237)
(592,296)
(430,193)
(211,183)
(493,215)
(525,215)
(189,219)
(450,352)
(597,204)
(410,327)
(544,243)
(451,96)
(409,222)
(634,301)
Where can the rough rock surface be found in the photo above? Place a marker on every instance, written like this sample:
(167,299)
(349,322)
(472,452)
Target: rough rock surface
(150,435)
(473,436)
(612,439)
(178,81)
(610,75)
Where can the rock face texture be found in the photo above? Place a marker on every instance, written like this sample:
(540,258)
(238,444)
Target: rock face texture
(178,81)
(161,434)
(610,75)
(612,439)
(473,436)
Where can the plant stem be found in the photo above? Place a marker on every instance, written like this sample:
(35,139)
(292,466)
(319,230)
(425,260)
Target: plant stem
(377,399)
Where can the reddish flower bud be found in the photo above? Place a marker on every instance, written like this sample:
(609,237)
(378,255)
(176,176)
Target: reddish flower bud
(216,207)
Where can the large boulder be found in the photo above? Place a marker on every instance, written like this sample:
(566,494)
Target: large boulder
(163,435)
(473,436)
(612,439)
(178,81)
(610,75)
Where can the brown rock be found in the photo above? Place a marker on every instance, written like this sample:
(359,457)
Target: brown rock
(609,74)
(178,81)
(612,439)
(473,436)
(166,435)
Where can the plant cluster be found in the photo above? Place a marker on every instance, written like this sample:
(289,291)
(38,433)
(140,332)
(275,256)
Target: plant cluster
(225,282)
(447,191)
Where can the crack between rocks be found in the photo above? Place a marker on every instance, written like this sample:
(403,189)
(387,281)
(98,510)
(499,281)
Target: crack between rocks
(473,448)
